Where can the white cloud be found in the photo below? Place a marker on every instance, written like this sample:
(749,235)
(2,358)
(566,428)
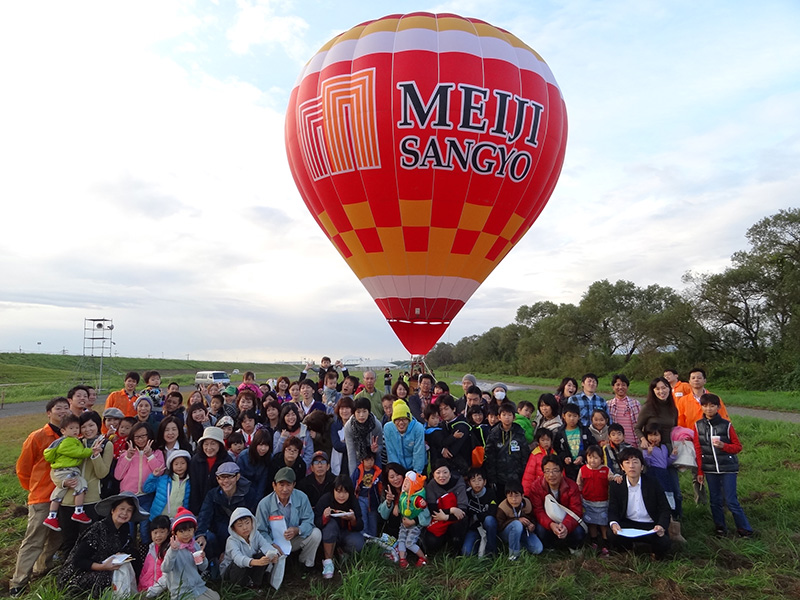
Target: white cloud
(260,23)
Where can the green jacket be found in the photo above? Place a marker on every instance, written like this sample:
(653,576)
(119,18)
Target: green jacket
(66,452)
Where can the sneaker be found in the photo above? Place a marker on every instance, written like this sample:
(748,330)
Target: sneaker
(52,523)
(422,561)
(745,533)
(327,569)
(603,551)
(403,563)
(513,556)
(17,591)
(81,518)
(720,531)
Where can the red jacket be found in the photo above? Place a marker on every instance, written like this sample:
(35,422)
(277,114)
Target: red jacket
(568,495)
(533,470)
(33,471)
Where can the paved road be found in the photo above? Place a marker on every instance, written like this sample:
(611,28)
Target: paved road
(29,408)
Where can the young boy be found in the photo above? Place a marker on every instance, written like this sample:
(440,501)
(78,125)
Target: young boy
(215,407)
(481,515)
(616,444)
(571,440)
(330,395)
(184,561)
(366,481)
(434,434)
(65,456)
(247,553)
(123,431)
(153,388)
(515,524)
(235,443)
(492,415)
(507,451)
(717,445)
(525,410)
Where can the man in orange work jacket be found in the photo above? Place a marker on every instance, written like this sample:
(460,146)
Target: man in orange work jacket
(123,399)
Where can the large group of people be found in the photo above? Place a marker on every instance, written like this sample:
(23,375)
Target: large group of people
(157,488)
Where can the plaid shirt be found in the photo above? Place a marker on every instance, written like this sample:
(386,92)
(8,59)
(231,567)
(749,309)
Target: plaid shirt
(588,406)
(626,413)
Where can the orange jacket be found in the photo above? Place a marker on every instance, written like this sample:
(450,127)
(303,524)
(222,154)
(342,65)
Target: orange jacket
(690,412)
(33,471)
(120,400)
(681,389)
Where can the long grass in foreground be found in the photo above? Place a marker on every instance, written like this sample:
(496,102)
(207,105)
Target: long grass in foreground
(767,566)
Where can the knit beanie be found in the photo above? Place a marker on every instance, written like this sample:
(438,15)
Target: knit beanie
(183,516)
(400,410)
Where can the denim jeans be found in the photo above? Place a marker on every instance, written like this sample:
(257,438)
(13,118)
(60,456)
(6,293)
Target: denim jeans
(370,517)
(473,537)
(515,535)
(722,486)
(549,539)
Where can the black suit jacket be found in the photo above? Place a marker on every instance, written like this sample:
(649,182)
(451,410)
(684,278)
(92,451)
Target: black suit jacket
(655,502)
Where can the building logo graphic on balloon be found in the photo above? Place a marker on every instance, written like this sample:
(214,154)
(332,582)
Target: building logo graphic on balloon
(425,146)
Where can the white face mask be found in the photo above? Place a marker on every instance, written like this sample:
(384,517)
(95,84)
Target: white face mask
(500,394)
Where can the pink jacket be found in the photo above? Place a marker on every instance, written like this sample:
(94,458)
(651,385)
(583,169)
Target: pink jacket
(133,472)
(151,570)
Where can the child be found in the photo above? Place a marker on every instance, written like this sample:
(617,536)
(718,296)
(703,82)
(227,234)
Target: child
(226,424)
(123,431)
(717,445)
(415,515)
(330,395)
(215,409)
(236,445)
(247,425)
(153,387)
(111,419)
(368,488)
(434,434)
(171,486)
(548,417)
(572,440)
(599,427)
(249,384)
(492,415)
(184,560)
(338,515)
(514,522)
(481,516)
(65,456)
(151,569)
(593,482)
(507,450)
(616,444)
(479,430)
(523,419)
(533,470)
(247,553)
(658,457)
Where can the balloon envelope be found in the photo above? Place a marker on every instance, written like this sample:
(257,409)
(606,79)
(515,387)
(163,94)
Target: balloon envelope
(425,146)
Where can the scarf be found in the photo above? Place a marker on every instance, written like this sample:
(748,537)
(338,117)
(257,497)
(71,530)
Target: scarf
(362,434)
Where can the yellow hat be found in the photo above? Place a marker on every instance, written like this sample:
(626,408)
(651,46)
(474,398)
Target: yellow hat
(400,410)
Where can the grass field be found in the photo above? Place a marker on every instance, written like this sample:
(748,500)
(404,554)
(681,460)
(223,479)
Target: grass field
(767,566)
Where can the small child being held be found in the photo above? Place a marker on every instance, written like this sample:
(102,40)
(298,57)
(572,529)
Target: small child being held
(65,456)
(415,515)
(184,561)
(151,569)
(593,480)
(153,387)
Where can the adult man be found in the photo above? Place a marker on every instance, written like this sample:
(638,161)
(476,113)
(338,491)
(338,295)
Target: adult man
(638,502)
(473,397)
(123,399)
(423,396)
(373,394)
(404,439)
(90,401)
(308,403)
(33,471)
(467,382)
(679,388)
(624,410)
(77,398)
(457,443)
(218,505)
(297,523)
(387,381)
(587,400)
(565,491)
(321,480)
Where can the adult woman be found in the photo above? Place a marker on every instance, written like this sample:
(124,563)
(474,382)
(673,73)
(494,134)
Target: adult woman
(289,425)
(171,437)
(446,494)
(294,392)
(342,413)
(401,390)
(196,397)
(254,465)
(282,389)
(568,387)
(93,470)
(500,393)
(271,412)
(548,414)
(362,432)
(392,479)
(87,568)
(211,453)
(197,419)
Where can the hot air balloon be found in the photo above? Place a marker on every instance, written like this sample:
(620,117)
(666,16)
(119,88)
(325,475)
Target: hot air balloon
(425,146)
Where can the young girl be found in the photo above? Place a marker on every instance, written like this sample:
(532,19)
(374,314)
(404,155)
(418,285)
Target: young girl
(235,444)
(181,569)
(203,467)
(196,423)
(593,480)
(169,484)
(543,438)
(658,457)
(247,425)
(342,413)
(215,407)
(289,425)
(599,427)
(338,515)
(548,417)
(254,466)
(249,384)
(151,569)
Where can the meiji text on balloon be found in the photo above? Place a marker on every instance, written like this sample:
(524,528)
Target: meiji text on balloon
(513,117)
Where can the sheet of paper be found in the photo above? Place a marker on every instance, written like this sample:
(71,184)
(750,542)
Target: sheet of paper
(120,558)
(342,514)
(277,526)
(632,533)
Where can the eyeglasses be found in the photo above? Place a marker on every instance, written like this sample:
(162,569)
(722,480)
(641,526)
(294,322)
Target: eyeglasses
(551,471)
(141,437)
(225,476)
(319,462)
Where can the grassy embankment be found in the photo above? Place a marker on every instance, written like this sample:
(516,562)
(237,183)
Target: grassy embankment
(767,566)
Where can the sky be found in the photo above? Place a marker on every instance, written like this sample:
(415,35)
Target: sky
(143,172)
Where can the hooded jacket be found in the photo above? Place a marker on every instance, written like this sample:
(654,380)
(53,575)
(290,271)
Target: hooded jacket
(239,551)
(217,509)
(407,449)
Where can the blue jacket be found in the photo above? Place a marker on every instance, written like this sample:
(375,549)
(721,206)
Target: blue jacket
(162,486)
(301,517)
(407,449)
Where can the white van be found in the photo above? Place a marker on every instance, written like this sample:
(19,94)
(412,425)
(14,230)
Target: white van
(208,377)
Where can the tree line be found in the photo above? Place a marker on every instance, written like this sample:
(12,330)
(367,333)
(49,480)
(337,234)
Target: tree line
(741,325)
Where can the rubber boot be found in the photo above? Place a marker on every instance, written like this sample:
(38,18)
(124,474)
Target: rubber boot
(675,532)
